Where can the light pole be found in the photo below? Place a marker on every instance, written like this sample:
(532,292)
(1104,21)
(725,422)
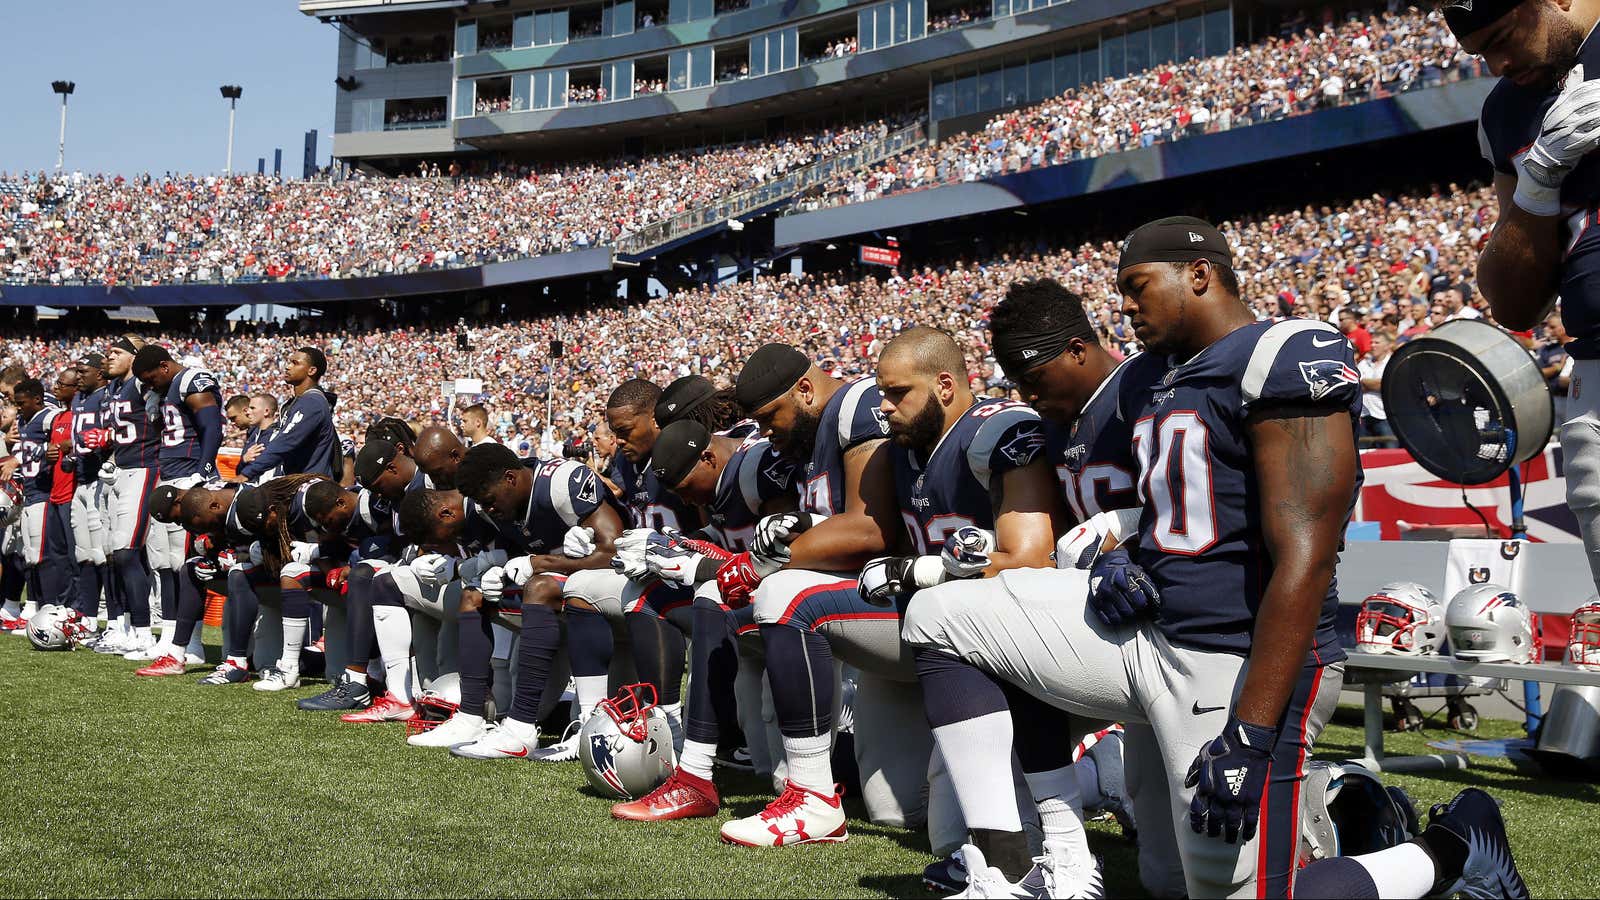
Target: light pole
(231,93)
(65,89)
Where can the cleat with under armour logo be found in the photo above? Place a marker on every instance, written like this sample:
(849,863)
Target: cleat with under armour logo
(799,816)
(1473,817)
(682,796)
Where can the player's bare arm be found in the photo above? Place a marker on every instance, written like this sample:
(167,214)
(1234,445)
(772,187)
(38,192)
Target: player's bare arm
(1519,268)
(1305,466)
(607,527)
(1027,518)
(870,524)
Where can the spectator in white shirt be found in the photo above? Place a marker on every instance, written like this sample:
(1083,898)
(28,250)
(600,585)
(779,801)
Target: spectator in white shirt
(1374,421)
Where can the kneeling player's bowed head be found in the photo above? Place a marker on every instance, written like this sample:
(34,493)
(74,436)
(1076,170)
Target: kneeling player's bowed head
(685,463)
(431,517)
(1166,266)
(778,388)
(166,503)
(438,452)
(922,375)
(330,506)
(695,397)
(205,511)
(154,366)
(1047,346)
(492,476)
(393,430)
(383,469)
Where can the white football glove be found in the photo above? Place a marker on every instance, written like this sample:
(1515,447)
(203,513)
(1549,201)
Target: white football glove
(206,569)
(966,551)
(1570,131)
(302,552)
(629,560)
(108,472)
(493,584)
(519,570)
(578,542)
(672,561)
(775,533)
(1078,548)
(255,553)
(434,569)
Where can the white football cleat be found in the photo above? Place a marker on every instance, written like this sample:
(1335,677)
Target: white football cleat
(142,649)
(1067,875)
(500,743)
(276,679)
(458,729)
(799,816)
(985,881)
(194,659)
(564,750)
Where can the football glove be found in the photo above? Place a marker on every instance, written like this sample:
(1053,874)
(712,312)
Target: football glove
(518,570)
(1570,131)
(96,438)
(338,578)
(1078,548)
(434,569)
(201,544)
(302,552)
(578,542)
(205,569)
(1119,590)
(966,551)
(1228,778)
(493,584)
(108,473)
(629,560)
(672,557)
(738,577)
(228,560)
(776,532)
(885,578)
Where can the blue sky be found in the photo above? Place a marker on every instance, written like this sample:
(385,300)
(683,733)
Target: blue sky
(148,72)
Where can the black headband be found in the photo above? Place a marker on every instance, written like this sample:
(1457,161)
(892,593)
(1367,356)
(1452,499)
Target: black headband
(771,372)
(122,343)
(677,450)
(1466,16)
(1018,351)
(1177,239)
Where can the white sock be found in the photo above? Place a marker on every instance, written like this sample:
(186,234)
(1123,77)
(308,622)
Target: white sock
(470,719)
(357,677)
(526,732)
(973,750)
(168,627)
(810,762)
(393,627)
(674,714)
(29,608)
(1088,782)
(12,610)
(239,662)
(294,639)
(697,758)
(1404,870)
(144,635)
(591,690)
(1060,809)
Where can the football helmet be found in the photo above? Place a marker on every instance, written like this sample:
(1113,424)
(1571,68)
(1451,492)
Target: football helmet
(433,710)
(1583,640)
(626,745)
(10,503)
(1345,810)
(1487,623)
(1402,618)
(56,628)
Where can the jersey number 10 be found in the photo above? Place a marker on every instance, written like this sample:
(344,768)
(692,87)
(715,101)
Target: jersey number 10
(1175,467)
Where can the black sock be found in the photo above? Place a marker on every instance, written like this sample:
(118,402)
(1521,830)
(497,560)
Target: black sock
(1448,852)
(1005,850)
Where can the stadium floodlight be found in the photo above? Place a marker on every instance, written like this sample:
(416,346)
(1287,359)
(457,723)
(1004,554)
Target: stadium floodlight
(65,89)
(231,93)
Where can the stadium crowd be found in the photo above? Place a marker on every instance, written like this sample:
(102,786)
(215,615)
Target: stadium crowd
(1386,260)
(177,229)
(1362,58)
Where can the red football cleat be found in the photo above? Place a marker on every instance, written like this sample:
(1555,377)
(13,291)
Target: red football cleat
(166,665)
(683,796)
(384,709)
(16,624)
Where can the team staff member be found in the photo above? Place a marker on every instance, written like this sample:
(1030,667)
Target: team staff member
(304,442)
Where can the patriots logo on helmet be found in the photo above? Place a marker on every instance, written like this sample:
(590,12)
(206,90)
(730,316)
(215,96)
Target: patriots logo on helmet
(1323,376)
(605,761)
(1024,446)
(1505,598)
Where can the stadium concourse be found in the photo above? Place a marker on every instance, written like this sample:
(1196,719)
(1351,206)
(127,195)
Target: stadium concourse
(1399,264)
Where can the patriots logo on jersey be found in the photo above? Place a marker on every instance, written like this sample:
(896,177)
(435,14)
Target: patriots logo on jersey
(587,492)
(883,421)
(1323,376)
(1073,456)
(1024,445)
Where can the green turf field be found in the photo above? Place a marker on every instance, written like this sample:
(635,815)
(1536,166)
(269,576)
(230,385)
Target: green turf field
(124,786)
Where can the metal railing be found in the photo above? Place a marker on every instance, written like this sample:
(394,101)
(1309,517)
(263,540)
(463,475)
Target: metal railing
(781,188)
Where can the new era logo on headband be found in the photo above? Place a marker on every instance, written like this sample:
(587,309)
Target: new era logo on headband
(1195,238)
(1459,4)
(1029,354)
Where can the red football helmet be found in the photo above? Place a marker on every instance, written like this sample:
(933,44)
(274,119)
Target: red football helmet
(1583,643)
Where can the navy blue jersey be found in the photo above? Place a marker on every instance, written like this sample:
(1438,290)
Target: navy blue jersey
(187,445)
(478,531)
(649,504)
(38,475)
(233,531)
(303,441)
(958,484)
(565,492)
(134,418)
(852,417)
(1512,117)
(742,429)
(754,474)
(1094,455)
(1199,533)
(87,409)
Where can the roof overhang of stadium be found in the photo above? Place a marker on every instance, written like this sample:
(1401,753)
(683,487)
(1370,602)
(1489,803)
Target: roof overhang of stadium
(326,8)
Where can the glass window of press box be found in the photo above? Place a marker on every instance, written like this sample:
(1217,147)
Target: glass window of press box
(891,23)
(538,90)
(616,18)
(689,10)
(539,29)
(688,69)
(1114,53)
(774,51)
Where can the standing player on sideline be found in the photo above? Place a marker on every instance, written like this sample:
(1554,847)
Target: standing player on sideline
(848,515)
(132,423)
(303,442)
(1538,129)
(46,533)
(191,413)
(88,506)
